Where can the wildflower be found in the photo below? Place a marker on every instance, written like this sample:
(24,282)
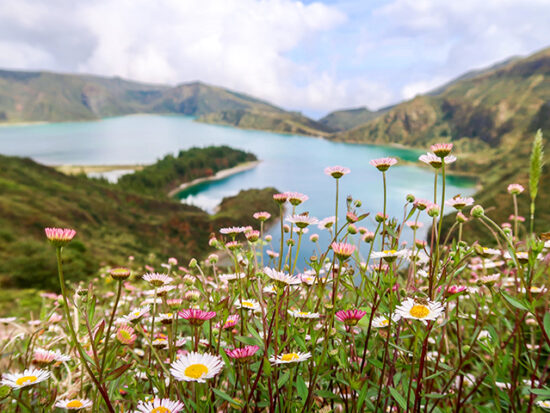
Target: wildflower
(515,189)
(486,252)
(342,250)
(136,315)
(460,203)
(545,404)
(248,304)
(196,367)
(159,406)
(308,278)
(518,218)
(231,277)
(379,217)
(242,354)
(414,225)
(156,279)
(126,335)
(303,314)
(27,378)
(281,277)
(232,245)
(286,358)
(302,221)
(262,216)
(7,320)
(436,161)
(73,404)
(368,236)
(390,255)
(442,149)
(192,295)
(59,236)
(174,303)
(419,309)
(351,218)
(433,210)
(280,198)
(383,164)
(232,231)
(489,279)
(231,321)
(461,218)
(252,236)
(196,317)
(456,289)
(326,223)
(350,317)
(477,211)
(383,322)
(296,198)
(314,237)
(119,273)
(42,356)
(337,171)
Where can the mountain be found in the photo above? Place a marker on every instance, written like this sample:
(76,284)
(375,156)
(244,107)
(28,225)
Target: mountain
(346,119)
(111,223)
(54,97)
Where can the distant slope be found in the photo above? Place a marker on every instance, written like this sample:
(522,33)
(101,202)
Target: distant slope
(282,122)
(345,119)
(111,223)
(53,97)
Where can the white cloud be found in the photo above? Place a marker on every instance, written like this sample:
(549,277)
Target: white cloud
(410,90)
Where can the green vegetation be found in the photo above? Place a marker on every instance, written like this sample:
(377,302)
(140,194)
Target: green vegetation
(112,223)
(346,119)
(169,172)
(275,121)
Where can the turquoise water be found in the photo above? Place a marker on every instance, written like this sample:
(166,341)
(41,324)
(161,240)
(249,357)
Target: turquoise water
(288,162)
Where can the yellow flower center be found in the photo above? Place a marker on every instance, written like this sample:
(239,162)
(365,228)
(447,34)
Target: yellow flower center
(75,403)
(289,357)
(26,379)
(137,313)
(303,313)
(389,251)
(161,409)
(419,311)
(247,304)
(125,335)
(385,322)
(196,371)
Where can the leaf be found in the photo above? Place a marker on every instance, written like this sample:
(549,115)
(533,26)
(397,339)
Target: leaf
(514,302)
(537,162)
(541,392)
(99,333)
(227,397)
(119,371)
(398,398)
(546,323)
(283,379)
(301,388)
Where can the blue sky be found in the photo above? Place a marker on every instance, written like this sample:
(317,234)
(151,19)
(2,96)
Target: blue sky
(311,56)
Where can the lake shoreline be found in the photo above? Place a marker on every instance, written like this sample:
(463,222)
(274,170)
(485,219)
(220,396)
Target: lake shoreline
(224,173)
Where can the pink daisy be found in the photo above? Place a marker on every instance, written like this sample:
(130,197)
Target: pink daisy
(515,189)
(442,149)
(337,171)
(126,335)
(156,279)
(262,216)
(350,317)
(383,164)
(342,250)
(195,316)
(242,354)
(59,236)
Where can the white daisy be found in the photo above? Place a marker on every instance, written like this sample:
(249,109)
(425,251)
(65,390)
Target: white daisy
(383,321)
(248,304)
(27,378)
(157,279)
(303,314)
(282,277)
(390,255)
(230,277)
(73,404)
(136,314)
(196,367)
(286,358)
(545,404)
(425,310)
(159,406)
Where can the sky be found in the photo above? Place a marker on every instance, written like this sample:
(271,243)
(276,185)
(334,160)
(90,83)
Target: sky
(309,56)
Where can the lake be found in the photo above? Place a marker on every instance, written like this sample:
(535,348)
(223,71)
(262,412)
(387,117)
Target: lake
(288,162)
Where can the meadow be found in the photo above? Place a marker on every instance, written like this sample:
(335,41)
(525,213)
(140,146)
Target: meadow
(371,324)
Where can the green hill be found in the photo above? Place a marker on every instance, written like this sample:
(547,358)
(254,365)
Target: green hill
(491,116)
(346,119)
(53,97)
(111,223)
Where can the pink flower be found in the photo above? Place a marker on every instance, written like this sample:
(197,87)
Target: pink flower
(442,149)
(252,235)
(422,204)
(126,335)
(518,218)
(342,250)
(456,289)
(232,245)
(196,317)
(350,317)
(242,354)
(302,221)
(296,198)
(262,216)
(368,236)
(435,161)
(231,321)
(383,164)
(433,210)
(59,236)
(280,198)
(337,171)
(156,279)
(515,189)
(172,261)
(460,203)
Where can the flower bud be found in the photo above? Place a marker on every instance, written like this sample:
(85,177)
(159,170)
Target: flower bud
(410,198)
(193,263)
(477,211)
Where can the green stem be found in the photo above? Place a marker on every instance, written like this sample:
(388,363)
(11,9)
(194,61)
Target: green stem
(108,336)
(281,213)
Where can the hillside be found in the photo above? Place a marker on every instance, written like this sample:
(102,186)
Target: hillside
(282,122)
(346,119)
(111,223)
(54,97)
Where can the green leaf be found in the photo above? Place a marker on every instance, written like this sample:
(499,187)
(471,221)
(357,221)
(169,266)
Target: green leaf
(226,397)
(541,392)
(119,371)
(514,302)
(537,162)
(283,379)
(301,388)
(4,392)
(546,323)
(248,340)
(398,398)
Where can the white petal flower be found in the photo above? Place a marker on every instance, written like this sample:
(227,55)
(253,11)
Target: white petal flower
(425,310)
(196,367)
(73,404)
(27,378)
(160,406)
(286,358)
